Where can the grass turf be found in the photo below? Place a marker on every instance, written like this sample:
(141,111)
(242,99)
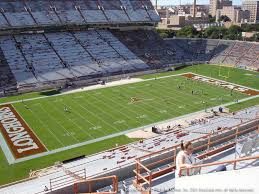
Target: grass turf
(98,113)
(243,105)
(238,76)
(111,109)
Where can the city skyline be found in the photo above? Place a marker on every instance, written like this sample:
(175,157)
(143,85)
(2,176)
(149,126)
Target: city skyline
(182,2)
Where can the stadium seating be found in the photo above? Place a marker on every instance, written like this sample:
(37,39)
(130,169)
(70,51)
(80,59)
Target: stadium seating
(16,61)
(42,12)
(6,76)
(15,14)
(51,57)
(20,14)
(149,47)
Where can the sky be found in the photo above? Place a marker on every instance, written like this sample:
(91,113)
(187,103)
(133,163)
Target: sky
(177,2)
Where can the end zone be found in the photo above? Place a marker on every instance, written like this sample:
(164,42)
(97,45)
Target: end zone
(19,137)
(224,84)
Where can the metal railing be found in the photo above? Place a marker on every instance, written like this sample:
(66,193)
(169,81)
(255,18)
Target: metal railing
(90,183)
(66,180)
(208,143)
(234,162)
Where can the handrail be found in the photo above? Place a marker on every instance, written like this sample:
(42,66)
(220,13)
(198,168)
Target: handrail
(89,183)
(139,175)
(207,143)
(144,167)
(218,163)
(193,140)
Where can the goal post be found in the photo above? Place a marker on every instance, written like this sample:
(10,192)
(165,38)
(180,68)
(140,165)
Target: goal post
(224,73)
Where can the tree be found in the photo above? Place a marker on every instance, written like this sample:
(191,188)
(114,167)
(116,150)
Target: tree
(224,18)
(165,33)
(234,33)
(247,28)
(212,19)
(187,31)
(215,32)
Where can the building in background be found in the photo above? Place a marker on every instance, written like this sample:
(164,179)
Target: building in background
(179,16)
(218,4)
(253,7)
(235,14)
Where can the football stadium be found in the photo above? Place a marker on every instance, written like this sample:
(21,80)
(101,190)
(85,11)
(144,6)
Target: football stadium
(93,100)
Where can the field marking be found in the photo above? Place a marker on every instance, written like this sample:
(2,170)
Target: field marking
(118,134)
(30,128)
(111,86)
(80,128)
(43,124)
(120,111)
(194,96)
(98,117)
(47,113)
(166,89)
(143,92)
(105,86)
(226,82)
(6,150)
(93,125)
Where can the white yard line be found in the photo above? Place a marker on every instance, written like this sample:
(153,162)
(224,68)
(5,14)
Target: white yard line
(225,81)
(7,152)
(113,84)
(118,83)
(31,129)
(94,87)
(118,134)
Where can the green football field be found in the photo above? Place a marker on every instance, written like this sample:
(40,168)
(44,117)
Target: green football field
(101,112)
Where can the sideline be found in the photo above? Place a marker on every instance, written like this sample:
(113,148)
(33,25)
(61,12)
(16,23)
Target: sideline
(120,133)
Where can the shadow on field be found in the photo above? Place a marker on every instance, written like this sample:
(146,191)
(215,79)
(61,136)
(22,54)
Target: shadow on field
(49,93)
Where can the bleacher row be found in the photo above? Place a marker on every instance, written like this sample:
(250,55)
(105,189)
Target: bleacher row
(79,55)
(18,13)
(59,56)
(159,53)
(234,53)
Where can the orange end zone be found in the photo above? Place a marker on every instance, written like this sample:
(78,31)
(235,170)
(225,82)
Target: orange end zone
(20,138)
(221,83)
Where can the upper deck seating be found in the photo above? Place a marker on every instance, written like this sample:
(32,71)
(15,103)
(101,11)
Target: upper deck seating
(50,57)
(66,11)
(156,52)
(136,10)
(100,48)
(31,13)
(114,11)
(16,14)
(38,52)
(73,54)
(42,13)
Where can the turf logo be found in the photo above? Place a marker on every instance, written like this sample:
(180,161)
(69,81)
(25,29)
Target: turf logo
(221,83)
(18,135)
